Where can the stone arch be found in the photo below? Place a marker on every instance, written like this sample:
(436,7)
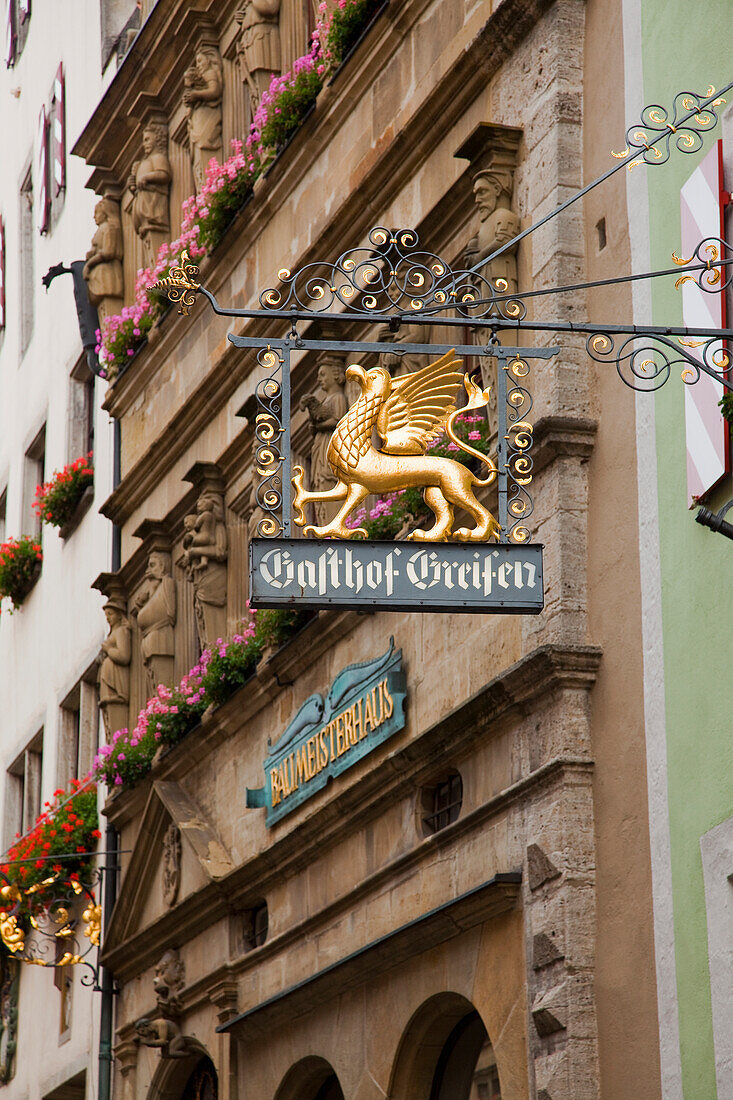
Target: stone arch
(311,1078)
(173,1074)
(442,1042)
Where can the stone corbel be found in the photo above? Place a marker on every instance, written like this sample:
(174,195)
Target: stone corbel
(126,1053)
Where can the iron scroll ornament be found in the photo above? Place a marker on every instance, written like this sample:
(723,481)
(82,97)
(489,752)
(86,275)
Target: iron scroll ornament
(56,922)
(691,116)
(644,363)
(394,275)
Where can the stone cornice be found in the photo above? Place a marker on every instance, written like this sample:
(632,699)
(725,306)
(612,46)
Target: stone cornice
(544,672)
(443,107)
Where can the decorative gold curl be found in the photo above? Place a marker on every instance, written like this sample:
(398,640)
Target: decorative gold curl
(92,917)
(180,285)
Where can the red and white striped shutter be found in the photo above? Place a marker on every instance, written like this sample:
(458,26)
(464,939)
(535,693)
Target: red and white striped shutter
(58,139)
(708,447)
(2,274)
(43,197)
(10,38)
(24,7)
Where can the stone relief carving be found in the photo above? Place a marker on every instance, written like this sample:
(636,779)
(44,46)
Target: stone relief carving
(155,608)
(259,46)
(164,1030)
(169,981)
(150,182)
(114,671)
(203,88)
(171,864)
(325,408)
(398,364)
(205,560)
(103,267)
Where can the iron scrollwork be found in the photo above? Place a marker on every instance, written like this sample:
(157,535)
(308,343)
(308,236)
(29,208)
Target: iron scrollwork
(55,922)
(394,275)
(519,439)
(710,278)
(180,284)
(644,363)
(691,116)
(269,458)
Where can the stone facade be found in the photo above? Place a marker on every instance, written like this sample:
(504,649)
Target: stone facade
(530,908)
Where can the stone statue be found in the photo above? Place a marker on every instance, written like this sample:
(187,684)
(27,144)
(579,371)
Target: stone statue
(398,365)
(203,87)
(103,267)
(150,182)
(259,46)
(165,1034)
(492,192)
(155,607)
(205,561)
(325,412)
(169,982)
(114,671)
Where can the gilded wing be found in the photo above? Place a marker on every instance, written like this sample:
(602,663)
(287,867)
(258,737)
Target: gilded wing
(418,406)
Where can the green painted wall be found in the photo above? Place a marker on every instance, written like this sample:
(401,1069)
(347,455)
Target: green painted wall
(687,47)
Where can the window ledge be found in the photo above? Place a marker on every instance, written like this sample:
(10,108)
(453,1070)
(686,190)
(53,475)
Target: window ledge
(85,503)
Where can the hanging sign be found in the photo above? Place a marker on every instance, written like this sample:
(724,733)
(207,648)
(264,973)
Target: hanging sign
(364,706)
(393,576)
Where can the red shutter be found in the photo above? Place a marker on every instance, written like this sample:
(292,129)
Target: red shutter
(24,7)
(58,139)
(43,198)
(2,274)
(10,38)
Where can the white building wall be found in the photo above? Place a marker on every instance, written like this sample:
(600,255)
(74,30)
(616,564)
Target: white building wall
(49,644)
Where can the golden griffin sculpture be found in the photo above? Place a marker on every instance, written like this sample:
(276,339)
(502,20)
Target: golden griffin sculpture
(407,413)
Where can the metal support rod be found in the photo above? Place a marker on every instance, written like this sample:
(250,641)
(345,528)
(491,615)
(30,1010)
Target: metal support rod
(502,451)
(107,984)
(285,415)
(664,136)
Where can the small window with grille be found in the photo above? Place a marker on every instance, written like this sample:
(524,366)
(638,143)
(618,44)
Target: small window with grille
(441,803)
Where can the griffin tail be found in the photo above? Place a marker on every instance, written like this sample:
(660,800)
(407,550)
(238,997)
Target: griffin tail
(477,399)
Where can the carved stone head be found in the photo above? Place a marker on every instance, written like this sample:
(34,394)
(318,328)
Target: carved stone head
(159,565)
(155,139)
(169,981)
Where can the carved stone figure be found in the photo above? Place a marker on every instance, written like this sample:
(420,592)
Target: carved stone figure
(103,267)
(114,671)
(203,87)
(155,607)
(492,192)
(259,46)
(396,364)
(169,982)
(171,864)
(325,409)
(205,561)
(165,1034)
(150,182)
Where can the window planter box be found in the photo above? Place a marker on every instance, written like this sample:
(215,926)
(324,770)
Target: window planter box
(85,502)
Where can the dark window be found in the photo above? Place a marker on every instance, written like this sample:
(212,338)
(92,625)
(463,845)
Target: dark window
(35,472)
(202,1084)
(3,514)
(255,926)
(23,789)
(17,24)
(601,231)
(443,802)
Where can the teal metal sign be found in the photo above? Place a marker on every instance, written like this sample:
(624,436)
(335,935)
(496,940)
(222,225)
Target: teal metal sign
(364,706)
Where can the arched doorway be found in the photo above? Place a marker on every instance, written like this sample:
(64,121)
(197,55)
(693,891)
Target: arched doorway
(202,1082)
(446,1054)
(312,1078)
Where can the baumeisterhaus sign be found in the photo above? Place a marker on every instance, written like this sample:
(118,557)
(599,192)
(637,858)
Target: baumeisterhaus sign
(324,574)
(364,706)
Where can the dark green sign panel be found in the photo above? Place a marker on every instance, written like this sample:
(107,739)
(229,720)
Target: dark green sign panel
(364,706)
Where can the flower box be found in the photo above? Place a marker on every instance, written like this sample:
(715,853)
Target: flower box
(20,567)
(57,500)
(85,503)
